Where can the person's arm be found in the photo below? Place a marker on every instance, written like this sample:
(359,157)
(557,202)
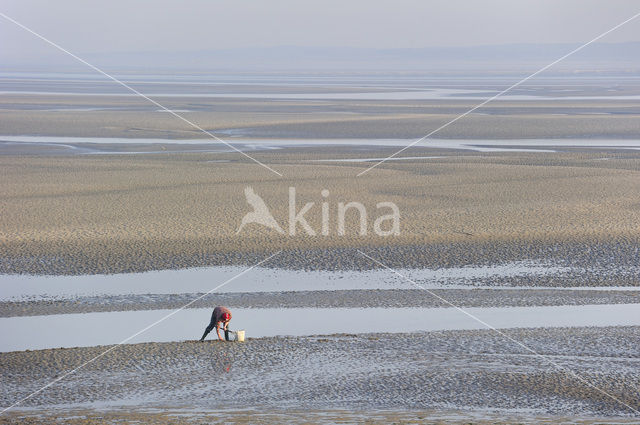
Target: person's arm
(218,331)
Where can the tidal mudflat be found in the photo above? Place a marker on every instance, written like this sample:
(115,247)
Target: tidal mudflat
(525,213)
(370,373)
(358,106)
(482,229)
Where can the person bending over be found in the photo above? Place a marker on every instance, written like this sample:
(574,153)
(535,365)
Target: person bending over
(219,319)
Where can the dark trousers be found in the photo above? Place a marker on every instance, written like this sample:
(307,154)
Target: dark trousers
(209,328)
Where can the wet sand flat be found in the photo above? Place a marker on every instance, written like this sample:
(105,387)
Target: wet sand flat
(474,370)
(266,115)
(386,298)
(327,124)
(176,416)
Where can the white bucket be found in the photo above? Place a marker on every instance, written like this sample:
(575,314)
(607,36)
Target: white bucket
(240,336)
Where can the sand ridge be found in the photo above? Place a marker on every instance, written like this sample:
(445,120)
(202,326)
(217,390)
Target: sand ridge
(73,215)
(387,298)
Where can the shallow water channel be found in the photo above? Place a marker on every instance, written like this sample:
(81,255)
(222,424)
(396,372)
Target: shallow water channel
(259,279)
(89,329)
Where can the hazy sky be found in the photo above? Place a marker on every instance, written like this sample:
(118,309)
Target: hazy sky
(84,26)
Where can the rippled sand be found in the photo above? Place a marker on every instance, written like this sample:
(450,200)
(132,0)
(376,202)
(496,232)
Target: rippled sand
(474,370)
(169,415)
(87,214)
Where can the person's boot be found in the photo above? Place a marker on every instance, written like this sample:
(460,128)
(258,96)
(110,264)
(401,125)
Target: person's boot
(226,335)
